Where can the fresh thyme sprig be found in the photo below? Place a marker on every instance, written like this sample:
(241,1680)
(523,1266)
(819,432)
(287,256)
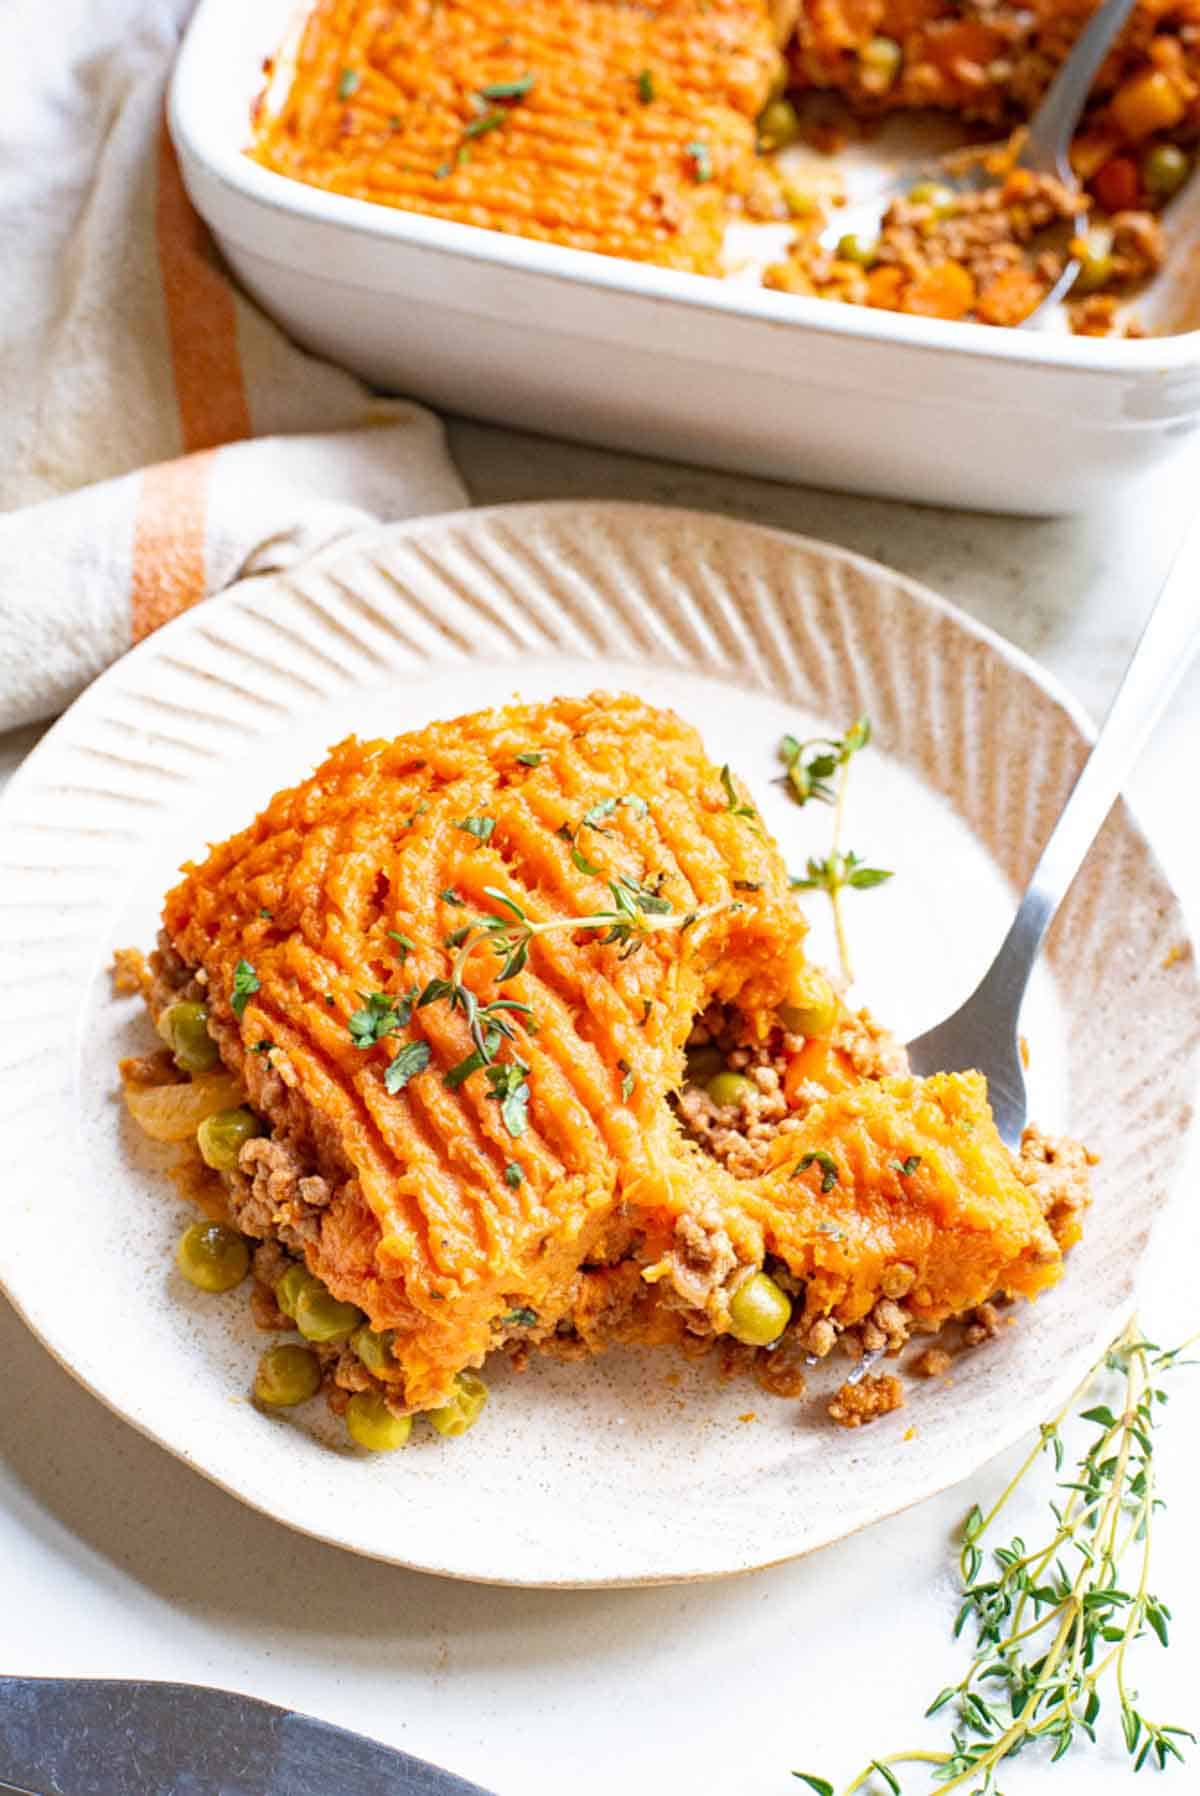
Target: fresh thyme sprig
(638,910)
(1054,1623)
(811,768)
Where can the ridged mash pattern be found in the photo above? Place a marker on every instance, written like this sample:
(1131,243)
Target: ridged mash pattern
(571,1489)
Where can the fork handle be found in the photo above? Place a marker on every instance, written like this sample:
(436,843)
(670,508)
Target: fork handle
(1168,642)
(1053,124)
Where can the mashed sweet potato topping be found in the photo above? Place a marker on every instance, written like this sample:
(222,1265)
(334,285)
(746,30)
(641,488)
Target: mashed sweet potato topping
(467,979)
(604,126)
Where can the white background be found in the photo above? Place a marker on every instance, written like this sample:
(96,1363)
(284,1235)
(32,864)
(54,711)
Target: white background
(119,1561)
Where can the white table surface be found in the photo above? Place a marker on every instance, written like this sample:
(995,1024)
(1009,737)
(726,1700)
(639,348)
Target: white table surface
(119,1561)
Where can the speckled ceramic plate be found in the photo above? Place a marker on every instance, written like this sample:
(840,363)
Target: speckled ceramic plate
(637,1468)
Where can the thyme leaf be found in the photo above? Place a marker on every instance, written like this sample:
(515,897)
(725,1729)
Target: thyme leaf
(410,1060)
(245,983)
(827,1163)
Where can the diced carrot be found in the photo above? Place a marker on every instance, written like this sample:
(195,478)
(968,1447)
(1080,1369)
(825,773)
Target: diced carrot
(1147,102)
(960,41)
(883,287)
(817,1062)
(1010,296)
(1118,186)
(947,290)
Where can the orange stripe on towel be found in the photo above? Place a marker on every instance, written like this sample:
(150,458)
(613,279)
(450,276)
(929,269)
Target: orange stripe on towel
(168,571)
(168,541)
(201,321)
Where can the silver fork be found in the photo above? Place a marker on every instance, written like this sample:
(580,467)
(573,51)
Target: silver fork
(1045,151)
(982,1033)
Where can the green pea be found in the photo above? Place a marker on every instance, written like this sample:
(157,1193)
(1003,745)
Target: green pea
(320,1316)
(373,1349)
(702,1063)
(371,1423)
(759,1311)
(222,1136)
(184,1028)
(212,1257)
(816,1017)
(800,201)
(289,1287)
(1165,169)
(1095,263)
(778,124)
(880,61)
(727,1088)
(853,248)
(286,1376)
(464,1408)
(941,199)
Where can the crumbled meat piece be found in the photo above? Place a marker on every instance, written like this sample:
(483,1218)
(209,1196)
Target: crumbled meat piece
(158,1068)
(1056,1170)
(270,1263)
(870,1398)
(892,1322)
(701,1260)
(779,1370)
(820,1337)
(273,1191)
(130,974)
(898,1280)
(265,1311)
(983,1324)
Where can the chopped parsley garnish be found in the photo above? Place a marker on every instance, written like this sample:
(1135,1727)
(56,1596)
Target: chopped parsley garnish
(906,1168)
(645,86)
(268,916)
(530,759)
(348,83)
(508,90)
(329,999)
(700,157)
(449,896)
(479,827)
(829,1171)
(630,1079)
(410,1060)
(513,1176)
(519,1318)
(245,983)
(404,945)
(262,1047)
(511,1092)
(381,1015)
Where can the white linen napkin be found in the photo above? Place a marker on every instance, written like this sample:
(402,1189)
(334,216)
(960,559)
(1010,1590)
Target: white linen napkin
(159,437)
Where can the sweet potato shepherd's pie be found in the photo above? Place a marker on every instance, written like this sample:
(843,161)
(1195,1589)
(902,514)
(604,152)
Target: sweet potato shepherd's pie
(501,1037)
(646,131)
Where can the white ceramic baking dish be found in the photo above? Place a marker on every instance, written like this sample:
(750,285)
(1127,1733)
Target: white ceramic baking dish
(720,372)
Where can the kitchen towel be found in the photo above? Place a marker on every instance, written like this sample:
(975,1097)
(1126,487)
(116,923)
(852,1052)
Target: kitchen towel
(159,437)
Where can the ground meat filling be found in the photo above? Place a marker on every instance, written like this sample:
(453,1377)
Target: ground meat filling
(740,1133)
